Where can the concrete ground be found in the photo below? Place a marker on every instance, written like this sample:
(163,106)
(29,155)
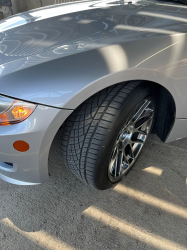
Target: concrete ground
(148,210)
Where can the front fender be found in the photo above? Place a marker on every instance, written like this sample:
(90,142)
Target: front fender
(68,81)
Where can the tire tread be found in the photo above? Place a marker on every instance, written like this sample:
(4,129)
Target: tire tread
(86,128)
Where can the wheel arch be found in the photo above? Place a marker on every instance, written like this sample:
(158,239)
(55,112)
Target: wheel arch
(168,95)
(166,107)
(146,75)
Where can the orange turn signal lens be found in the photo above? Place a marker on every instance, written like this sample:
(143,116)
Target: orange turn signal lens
(21,146)
(17,112)
(20,112)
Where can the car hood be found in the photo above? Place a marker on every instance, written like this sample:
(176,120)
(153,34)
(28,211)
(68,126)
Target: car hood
(51,33)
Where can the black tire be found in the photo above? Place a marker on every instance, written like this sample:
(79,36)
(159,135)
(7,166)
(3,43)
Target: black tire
(90,132)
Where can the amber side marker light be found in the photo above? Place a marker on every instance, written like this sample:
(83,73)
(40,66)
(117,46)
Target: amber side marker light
(21,146)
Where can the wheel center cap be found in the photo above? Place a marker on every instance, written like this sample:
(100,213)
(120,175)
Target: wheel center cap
(124,135)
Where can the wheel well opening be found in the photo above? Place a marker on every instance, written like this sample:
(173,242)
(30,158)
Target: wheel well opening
(166,111)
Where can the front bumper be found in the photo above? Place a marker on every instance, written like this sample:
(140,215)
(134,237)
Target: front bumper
(38,131)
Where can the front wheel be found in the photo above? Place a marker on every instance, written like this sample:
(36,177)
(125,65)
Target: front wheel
(103,138)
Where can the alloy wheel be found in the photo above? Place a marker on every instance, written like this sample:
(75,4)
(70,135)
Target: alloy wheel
(131,139)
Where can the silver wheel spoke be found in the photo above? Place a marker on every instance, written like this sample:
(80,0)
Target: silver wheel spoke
(132,152)
(113,162)
(126,158)
(138,141)
(119,163)
(140,132)
(139,113)
(143,123)
(115,167)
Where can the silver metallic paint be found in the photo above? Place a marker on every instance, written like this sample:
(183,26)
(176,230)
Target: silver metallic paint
(66,53)
(38,130)
(178,131)
(59,56)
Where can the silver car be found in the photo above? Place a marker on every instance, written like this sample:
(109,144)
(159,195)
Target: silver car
(105,72)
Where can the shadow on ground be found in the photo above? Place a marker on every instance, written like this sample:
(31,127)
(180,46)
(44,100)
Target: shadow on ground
(148,210)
